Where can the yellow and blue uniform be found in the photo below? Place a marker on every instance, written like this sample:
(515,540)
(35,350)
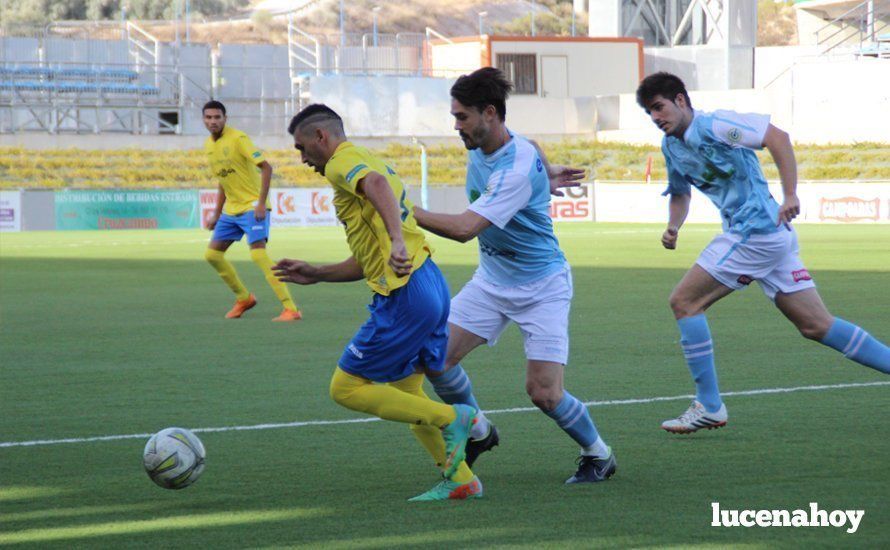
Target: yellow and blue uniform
(409,315)
(233,161)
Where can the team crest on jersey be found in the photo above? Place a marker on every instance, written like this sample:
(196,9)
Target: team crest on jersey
(801,275)
(539,165)
(734,135)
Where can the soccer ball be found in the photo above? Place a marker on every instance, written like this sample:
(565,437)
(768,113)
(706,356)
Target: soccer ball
(174,458)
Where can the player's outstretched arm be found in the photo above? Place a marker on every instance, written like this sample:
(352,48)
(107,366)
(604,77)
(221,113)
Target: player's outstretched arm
(560,176)
(678,208)
(778,143)
(304,273)
(457,227)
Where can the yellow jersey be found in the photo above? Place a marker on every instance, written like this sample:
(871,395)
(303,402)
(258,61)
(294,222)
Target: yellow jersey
(365,231)
(233,160)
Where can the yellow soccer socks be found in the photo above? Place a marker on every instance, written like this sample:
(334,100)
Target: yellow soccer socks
(430,436)
(227,272)
(388,402)
(261,258)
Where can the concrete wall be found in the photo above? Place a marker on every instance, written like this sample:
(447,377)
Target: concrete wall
(452,60)
(704,67)
(816,102)
(594,68)
(404,106)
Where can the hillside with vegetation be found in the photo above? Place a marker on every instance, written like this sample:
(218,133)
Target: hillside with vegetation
(136,168)
(239,21)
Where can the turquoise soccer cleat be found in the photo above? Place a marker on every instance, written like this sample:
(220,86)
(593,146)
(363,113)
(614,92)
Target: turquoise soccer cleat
(456,435)
(451,490)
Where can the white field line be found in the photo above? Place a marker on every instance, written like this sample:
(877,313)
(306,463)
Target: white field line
(271,426)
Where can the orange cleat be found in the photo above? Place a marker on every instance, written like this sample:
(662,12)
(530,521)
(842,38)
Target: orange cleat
(289,315)
(240,307)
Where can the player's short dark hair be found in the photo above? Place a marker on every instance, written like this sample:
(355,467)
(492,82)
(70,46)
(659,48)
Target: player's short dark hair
(316,112)
(214,104)
(483,87)
(667,85)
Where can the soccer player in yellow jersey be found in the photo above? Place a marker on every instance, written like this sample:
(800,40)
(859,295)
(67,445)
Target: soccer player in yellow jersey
(408,328)
(242,207)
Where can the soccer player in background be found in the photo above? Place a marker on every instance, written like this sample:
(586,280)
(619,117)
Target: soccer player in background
(523,275)
(713,152)
(242,207)
(407,329)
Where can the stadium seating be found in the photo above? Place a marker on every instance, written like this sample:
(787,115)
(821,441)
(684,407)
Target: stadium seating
(30,79)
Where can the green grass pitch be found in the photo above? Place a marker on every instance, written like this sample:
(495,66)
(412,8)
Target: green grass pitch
(123,333)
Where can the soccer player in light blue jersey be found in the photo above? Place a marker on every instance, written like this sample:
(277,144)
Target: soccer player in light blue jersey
(523,275)
(713,152)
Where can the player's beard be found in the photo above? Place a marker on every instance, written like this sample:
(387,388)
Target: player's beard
(474,139)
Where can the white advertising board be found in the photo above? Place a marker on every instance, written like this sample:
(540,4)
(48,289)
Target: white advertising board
(10,210)
(291,207)
(820,203)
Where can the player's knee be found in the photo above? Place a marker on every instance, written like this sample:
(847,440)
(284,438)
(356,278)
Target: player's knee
(544,398)
(212,256)
(339,394)
(814,329)
(681,306)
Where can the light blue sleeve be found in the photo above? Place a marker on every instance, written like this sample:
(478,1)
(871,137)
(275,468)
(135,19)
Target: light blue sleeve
(677,184)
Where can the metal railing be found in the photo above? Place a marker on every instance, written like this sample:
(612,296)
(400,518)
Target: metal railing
(857,26)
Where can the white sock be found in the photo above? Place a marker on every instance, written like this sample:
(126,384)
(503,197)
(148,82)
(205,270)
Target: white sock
(481,427)
(598,449)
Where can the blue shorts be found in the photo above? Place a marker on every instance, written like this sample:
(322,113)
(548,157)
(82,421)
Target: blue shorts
(231,228)
(406,329)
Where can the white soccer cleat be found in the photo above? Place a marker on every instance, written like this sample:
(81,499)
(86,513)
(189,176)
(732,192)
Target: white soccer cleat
(696,418)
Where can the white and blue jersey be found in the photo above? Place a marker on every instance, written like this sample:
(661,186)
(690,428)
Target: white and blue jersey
(511,189)
(715,155)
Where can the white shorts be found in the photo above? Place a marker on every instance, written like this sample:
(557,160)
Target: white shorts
(773,260)
(540,309)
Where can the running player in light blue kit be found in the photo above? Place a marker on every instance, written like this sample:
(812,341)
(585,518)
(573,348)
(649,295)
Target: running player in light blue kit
(523,275)
(713,152)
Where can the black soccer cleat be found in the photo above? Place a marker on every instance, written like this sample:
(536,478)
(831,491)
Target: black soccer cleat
(592,469)
(476,447)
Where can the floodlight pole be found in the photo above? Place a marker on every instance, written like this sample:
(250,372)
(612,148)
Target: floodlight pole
(482,14)
(533,17)
(424,185)
(342,26)
(374,11)
(188,36)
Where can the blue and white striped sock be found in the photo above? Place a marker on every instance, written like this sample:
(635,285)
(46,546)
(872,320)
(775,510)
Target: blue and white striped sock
(573,417)
(858,345)
(698,348)
(453,386)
